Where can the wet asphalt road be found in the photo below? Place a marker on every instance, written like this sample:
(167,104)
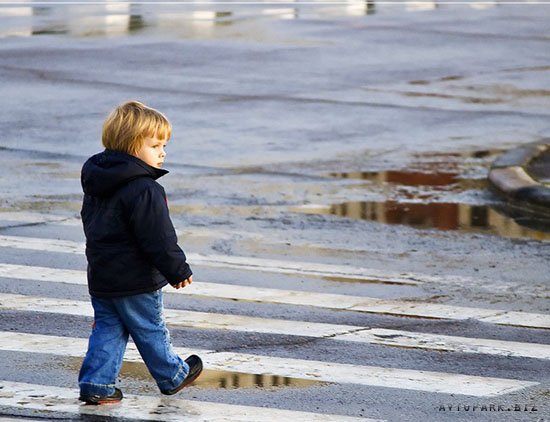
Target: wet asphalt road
(332,137)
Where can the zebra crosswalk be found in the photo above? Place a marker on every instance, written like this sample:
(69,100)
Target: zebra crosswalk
(52,400)
(211,320)
(295,368)
(246,263)
(22,397)
(305,298)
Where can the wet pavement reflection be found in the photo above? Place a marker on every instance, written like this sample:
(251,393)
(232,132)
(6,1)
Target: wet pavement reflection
(223,379)
(441,180)
(192,20)
(441,216)
(209,379)
(420,199)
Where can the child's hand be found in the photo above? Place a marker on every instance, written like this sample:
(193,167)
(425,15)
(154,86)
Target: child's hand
(183,283)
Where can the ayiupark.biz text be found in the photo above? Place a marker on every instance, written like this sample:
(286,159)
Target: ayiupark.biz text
(488,408)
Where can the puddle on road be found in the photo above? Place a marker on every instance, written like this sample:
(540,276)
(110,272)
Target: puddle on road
(187,19)
(442,180)
(418,199)
(211,379)
(441,216)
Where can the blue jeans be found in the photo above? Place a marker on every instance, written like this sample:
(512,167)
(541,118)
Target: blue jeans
(140,316)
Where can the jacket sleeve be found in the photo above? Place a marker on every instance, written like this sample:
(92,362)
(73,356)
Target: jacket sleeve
(151,225)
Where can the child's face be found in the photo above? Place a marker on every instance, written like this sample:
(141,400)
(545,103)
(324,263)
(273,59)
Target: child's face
(152,152)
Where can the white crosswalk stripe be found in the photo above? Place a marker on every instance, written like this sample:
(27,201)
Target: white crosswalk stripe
(437,382)
(64,400)
(243,263)
(24,217)
(23,396)
(386,337)
(305,298)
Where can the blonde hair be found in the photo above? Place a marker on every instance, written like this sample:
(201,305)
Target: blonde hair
(130,123)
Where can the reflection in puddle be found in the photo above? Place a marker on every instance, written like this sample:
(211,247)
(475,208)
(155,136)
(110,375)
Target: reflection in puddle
(114,19)
(135,23)
(222,379)
(211,378)
(123,18)
(441,216)
(420,207)
(444,180)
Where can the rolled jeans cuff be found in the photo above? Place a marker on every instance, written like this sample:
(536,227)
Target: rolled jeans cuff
(167,385)
(91,389)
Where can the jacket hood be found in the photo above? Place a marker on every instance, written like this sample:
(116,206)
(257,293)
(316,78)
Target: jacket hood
(103,173)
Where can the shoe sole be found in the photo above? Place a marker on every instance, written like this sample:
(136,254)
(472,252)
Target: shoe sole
(184,384)
(100,402)
(97,400)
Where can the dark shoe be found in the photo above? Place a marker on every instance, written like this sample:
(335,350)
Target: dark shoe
(195,369)
(114,398)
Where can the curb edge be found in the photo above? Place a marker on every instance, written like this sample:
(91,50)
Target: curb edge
(508,177)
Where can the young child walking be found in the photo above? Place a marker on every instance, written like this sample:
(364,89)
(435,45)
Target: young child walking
(132,253)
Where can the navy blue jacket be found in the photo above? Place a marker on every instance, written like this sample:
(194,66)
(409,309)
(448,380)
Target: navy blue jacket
(131,244)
